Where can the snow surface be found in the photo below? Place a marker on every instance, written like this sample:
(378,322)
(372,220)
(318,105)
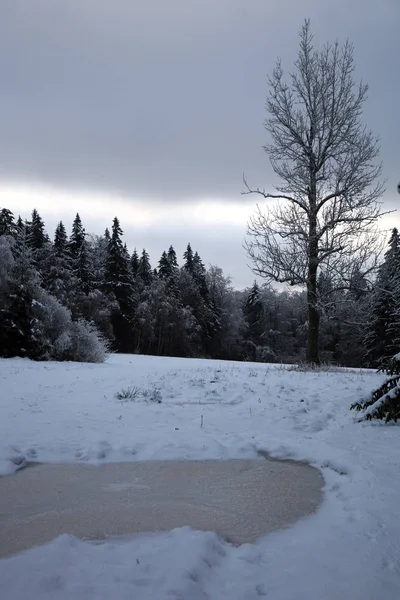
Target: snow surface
(350,549)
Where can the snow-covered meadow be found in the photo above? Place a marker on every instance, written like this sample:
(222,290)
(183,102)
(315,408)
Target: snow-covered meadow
(350,549)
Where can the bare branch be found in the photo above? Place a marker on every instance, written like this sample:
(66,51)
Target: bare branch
(263,193)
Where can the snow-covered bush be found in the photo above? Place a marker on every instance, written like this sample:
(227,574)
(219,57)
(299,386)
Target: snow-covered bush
(264,354)
(384,403)
(257,353)
(58,337)
(86,344)
(52,323)
(33,323)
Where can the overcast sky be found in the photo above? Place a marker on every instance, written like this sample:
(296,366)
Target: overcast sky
(151,110)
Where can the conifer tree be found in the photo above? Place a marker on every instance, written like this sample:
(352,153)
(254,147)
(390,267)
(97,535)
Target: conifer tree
(172,257)
(119,284)
(117,263)
(144,272)
(135,263)
(164,266)
(77,237)
(7,222)
(57,276)
(60,239)
(168,271)
(188,257)
(199,275)
(20,225)
(194,295)
(253,311)
(384,326)
(82,263)
(384,402)
(36,235)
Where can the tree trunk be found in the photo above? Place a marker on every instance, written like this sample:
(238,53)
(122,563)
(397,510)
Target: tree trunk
(312,297)
(313,325)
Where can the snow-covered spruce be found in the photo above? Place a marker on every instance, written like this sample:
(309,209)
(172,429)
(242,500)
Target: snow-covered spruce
(384,403)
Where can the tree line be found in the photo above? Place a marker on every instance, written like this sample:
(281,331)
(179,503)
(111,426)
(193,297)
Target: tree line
(73,297)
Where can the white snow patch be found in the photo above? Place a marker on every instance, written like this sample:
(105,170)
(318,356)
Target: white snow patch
(218,410)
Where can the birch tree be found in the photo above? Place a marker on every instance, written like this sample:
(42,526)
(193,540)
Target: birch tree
(325,210)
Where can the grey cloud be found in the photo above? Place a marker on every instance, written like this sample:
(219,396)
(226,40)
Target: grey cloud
(166,99)
(219,242)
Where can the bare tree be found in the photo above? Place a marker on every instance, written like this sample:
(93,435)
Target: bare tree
(325,217)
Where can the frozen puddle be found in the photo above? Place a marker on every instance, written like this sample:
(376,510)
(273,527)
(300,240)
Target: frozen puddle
(240,500)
